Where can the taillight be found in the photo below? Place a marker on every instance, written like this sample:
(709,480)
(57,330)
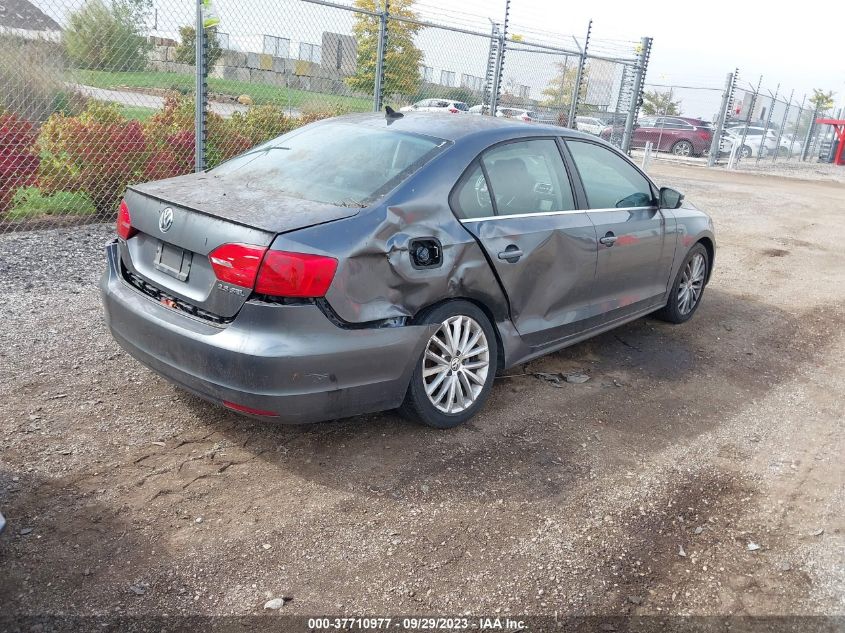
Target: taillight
(237,263)
(453,110)
(705,134)
(124,222)
(295,274)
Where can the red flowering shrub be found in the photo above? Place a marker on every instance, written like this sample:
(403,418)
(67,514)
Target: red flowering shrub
(18,159)
(97,153)
(175,158)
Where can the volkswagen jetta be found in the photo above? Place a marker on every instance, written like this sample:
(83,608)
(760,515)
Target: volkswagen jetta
(373,262)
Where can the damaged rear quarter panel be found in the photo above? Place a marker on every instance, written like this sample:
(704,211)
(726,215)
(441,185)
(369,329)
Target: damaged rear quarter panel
(376,279)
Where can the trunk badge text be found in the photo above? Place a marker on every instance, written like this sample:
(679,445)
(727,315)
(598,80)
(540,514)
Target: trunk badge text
(165,220)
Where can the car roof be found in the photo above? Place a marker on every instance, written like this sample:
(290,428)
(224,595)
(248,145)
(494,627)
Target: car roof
(455,127)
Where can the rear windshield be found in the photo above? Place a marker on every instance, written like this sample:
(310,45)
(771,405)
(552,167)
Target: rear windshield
(340,163)
(460,105)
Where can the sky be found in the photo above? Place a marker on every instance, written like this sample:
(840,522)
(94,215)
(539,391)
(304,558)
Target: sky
(695,44)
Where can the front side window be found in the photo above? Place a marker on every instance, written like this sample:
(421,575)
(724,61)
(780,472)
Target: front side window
(528,177)
(340,163)
(609,180)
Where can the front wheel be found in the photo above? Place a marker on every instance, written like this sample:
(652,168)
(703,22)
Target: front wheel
(454,375)
(745,152)
(688,287)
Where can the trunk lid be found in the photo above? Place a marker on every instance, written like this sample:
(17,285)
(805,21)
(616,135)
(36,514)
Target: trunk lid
(180,221)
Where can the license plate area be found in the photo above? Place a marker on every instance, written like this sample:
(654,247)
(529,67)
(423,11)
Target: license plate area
(173,261)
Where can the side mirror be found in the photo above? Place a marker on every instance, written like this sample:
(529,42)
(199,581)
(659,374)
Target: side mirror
(670,199)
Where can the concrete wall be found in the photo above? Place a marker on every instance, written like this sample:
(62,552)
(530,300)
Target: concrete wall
(339,57)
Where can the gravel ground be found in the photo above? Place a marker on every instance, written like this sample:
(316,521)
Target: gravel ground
(699,471)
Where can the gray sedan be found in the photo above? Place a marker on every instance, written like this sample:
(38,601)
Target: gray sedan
(374,262)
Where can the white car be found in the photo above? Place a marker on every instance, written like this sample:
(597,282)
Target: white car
(437,105)
(589,124)
(754,140)
(516,113)
(507,113)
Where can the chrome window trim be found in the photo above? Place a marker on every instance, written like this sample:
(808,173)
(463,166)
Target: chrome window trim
(551,213)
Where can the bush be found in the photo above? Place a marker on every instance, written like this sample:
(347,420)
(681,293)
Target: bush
(106,37)
(186,51)
(18,158)
(31,81)
(261,123)
(98,152)
(31,202)
(224,140)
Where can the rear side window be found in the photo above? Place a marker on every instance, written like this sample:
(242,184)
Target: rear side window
(460,105)
(609,180)
(528,177)
(472,198)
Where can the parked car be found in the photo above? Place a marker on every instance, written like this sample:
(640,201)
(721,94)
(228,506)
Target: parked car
(437,105)
(480,109)
(516,113)
(750,149)
(754,140)
(365,263)
(590,124)
(680,135)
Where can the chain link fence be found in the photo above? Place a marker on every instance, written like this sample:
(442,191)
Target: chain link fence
(99,94)
(742,124)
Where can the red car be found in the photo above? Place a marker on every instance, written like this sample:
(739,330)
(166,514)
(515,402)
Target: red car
(680,135)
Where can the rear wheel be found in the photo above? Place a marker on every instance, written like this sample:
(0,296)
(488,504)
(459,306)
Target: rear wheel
(454,374)
(682,148)
(745,152)
(688,287)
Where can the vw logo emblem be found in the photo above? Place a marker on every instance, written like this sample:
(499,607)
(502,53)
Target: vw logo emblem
(165,220)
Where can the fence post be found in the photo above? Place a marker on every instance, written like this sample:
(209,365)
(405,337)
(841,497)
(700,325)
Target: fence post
(716,143)
(201,94)
(782,124)
(766,127)
(750,114)
(500,60)
(797,125)
(637,95)
(810,128)
(380,53)
(579,76)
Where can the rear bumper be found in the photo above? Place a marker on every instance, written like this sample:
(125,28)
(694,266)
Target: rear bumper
(288,359)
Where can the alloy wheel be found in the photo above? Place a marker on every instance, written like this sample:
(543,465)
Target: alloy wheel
(455,364)
(682,149)
(692,283)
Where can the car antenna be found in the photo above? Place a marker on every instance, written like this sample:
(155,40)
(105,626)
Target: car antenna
(390,113)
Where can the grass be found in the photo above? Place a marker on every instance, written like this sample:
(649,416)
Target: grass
(139,113)
(30,202)
(184,83)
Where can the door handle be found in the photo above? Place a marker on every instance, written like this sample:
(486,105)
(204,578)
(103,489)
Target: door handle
(609,239)
(511,254)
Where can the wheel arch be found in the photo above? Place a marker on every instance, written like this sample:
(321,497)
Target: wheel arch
(500,348)
(711,254)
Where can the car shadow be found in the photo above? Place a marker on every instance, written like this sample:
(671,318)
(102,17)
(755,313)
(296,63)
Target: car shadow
(651,384)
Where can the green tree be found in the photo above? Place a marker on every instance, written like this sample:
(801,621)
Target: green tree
(108,36)
(559,90)
(186,51)
(657,102)
(402,57)
(822,100)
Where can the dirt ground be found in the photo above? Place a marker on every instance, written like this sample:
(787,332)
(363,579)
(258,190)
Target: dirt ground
(698,472)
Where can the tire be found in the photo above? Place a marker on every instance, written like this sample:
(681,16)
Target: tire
(745,152)
(682,148)
(696,266)
(459,384)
